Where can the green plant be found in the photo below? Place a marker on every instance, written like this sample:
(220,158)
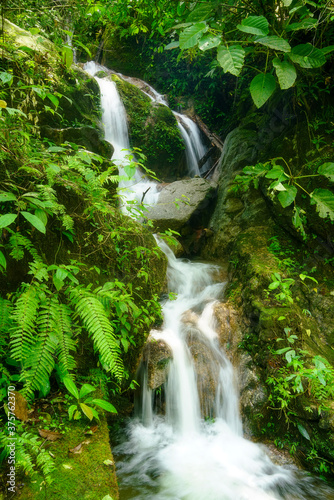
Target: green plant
(82,397)
(285,186)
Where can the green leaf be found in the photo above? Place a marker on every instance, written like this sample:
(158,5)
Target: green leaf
(190,36)
(298,222)
(261,88)
(255,25)
(303,432)
(307,56)
(125,344)
(286,3)
(53,99)
(288,196)
(200,13)
(6,77)
(208,42)
(105,405)
(67,53)
(3,104)
(107,497)
(3,262)
(258,169)
(327,169)
(274,42)
(71,410)
(86,389)
(34,221)
(34,31)
(277,172)
(324,200)
(304,24)
(231,58)
(71,387)
(41,214)
(130,171)
(56,149)
(172,45)
(286,73)
(7,219)
(327,50)
(4,196)
(87,411)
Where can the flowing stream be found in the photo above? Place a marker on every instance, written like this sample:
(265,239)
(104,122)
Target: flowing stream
(175,454)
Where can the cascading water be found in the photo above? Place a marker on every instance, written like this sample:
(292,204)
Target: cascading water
(116,132)
(179,456)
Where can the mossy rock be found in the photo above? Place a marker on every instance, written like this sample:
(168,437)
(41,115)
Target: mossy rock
(84,475)
(153,128)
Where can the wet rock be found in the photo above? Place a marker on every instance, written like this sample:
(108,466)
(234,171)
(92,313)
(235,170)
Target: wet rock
(157,354)
(181,205)
(206,369)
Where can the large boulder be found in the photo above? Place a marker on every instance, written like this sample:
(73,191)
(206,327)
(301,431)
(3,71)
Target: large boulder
(157,355)
(181,205)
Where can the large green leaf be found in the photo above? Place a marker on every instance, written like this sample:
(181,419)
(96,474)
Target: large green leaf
(200,13)
(7,219)
(231,58)
(274,42)
(105,405)
(87,411)
(288,196)
(255,25)
(327,169)
(190,36)
(86,389)
(324,200)
(208,42)
(261,88)
(34,221)
(172,45)
(307,56)
(7,196)
(286,73)
(327,50)
(304,24)
(71,387)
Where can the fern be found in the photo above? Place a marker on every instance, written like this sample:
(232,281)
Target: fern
(95,319)
(66,343)
(24,316)
(18,243)
(6,311)
(40,363)
(28,455)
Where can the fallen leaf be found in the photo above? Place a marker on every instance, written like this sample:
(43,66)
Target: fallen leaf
(49,435)
(77,449)
(92,429)
(108,462)
(21,406)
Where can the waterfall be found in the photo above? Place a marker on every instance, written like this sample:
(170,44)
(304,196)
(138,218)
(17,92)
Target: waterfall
(116,132)
(180,456)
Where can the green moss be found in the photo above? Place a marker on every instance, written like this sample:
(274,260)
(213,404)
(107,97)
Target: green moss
(85,476)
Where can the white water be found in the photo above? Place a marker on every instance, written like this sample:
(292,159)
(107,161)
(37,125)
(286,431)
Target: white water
(179,456)
(116,132)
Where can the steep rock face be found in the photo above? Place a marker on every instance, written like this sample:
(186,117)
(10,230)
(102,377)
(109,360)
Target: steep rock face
(157,355)
(183,205)
(245,231)
(153,128)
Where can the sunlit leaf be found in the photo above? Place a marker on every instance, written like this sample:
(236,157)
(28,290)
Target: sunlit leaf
(7,219)
(255,25)
(5,196)
(71,387)
(87,411)
(190,36)
(274,42)
(303,432)
(208,42)
(231,58)
(288,196)
(105,405)
(201,12)
(34,221)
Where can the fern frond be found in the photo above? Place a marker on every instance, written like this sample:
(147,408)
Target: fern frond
(94,317)
(19,243)
(65,338)
(6,311)
(40,363)
(24,316)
